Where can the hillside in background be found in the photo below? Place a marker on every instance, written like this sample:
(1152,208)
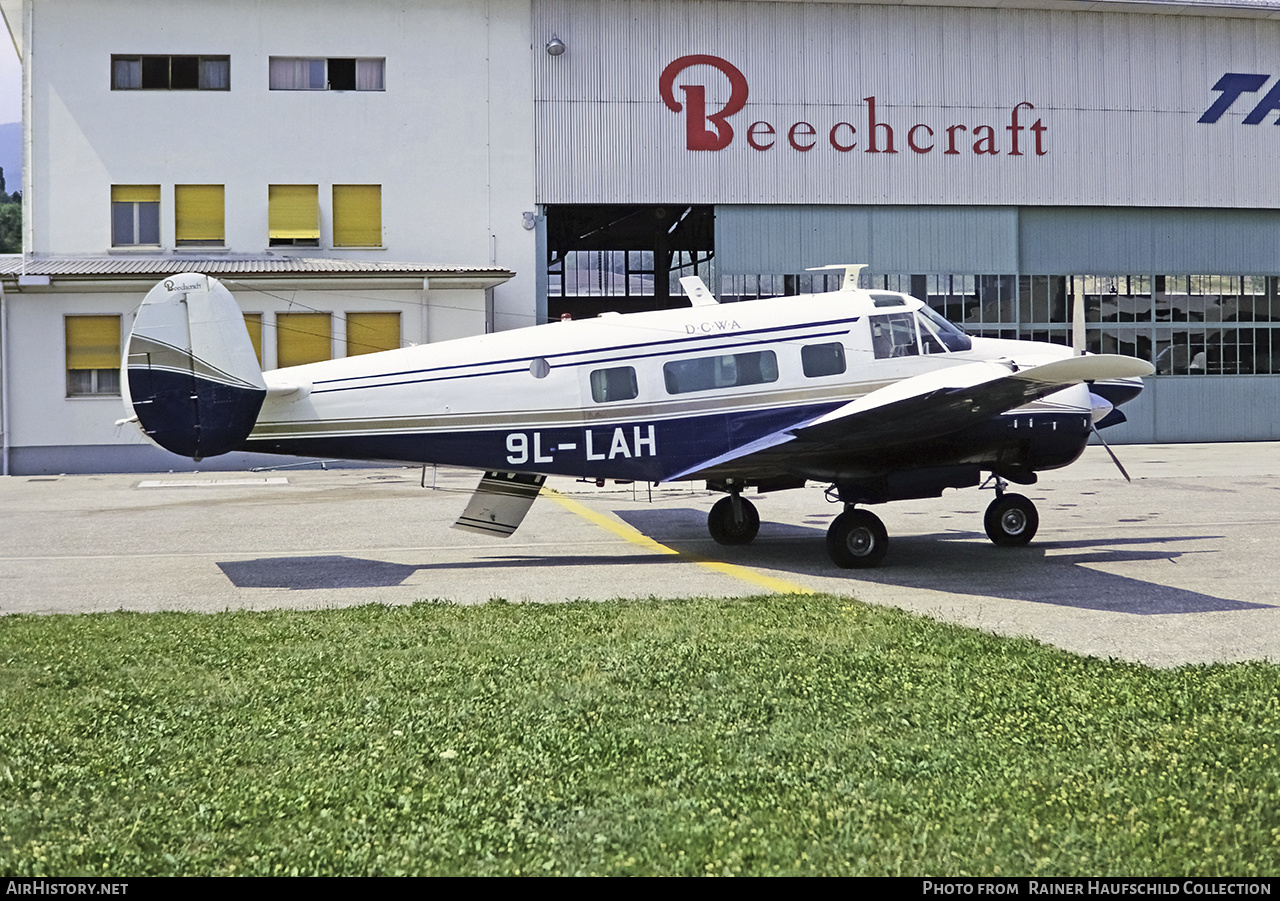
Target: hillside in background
(11,155)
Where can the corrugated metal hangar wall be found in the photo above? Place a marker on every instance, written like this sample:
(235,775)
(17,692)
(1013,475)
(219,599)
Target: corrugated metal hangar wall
(1096,240)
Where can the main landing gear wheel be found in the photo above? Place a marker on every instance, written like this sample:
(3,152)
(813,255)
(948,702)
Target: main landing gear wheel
(730,529)
(1011,520)
(857,540)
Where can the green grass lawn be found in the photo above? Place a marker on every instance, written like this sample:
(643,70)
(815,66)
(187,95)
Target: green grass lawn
(801,734)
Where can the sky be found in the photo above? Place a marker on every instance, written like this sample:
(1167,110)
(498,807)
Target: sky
(10,80)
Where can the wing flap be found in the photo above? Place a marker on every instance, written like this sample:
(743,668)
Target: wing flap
(500,503)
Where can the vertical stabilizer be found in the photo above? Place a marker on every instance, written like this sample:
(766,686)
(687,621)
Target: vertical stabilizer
(191,375)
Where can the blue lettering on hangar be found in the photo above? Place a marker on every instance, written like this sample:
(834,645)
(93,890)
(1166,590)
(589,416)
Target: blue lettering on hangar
(1231,86)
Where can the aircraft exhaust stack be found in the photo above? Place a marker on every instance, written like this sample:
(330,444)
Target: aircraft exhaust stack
(192,378)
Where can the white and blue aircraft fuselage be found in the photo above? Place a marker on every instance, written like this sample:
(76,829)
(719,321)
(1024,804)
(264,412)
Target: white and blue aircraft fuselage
(871,392)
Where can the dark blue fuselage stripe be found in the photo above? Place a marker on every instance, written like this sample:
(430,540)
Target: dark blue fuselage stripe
(610,350)
(653,451)
(603,360)
(645,450)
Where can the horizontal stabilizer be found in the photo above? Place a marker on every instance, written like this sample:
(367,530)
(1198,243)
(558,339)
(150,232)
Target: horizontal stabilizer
(500,503)
(192,376)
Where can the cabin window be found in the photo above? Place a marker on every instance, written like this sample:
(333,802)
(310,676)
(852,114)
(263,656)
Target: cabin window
(950,334)
(614,384)
(894,335)
(822,359)
(724,371)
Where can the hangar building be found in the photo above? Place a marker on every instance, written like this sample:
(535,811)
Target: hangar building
(377,173)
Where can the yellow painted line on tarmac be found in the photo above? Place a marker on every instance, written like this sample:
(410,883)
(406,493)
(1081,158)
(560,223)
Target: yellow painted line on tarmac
(636,537)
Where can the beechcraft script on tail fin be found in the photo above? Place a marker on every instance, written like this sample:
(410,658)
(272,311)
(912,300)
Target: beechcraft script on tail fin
(870,392)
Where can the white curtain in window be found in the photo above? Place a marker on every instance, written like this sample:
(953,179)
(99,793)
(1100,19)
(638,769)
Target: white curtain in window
(369,74)
(126,74)
(292,73)
(215,74)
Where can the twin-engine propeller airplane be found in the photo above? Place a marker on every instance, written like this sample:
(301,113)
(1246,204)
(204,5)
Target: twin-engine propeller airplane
(871,392)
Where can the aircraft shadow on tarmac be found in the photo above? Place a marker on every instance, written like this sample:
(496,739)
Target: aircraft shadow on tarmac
(336,571)
(962,563)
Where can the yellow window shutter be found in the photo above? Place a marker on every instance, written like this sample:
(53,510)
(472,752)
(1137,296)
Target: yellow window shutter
(93,342)
(357,215)
(303,338)
(135,193)
(199,212)
(371,332)
(253,322)
(293,211)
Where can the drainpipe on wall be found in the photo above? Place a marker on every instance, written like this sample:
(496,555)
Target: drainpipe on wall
(4,382)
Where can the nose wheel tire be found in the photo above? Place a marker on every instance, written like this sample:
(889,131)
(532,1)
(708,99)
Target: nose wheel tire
(857,539)
(1011,520)
(728,529)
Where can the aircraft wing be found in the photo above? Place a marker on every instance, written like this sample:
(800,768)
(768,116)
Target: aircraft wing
(932,405)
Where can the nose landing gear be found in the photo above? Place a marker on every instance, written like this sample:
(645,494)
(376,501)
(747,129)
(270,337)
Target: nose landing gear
(1011,520)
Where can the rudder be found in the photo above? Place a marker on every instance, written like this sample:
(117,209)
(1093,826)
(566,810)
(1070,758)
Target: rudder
(191,375)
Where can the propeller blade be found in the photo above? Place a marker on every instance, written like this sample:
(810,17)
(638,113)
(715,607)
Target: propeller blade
(1110,452)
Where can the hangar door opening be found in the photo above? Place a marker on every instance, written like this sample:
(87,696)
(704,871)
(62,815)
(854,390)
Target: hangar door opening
(625,258)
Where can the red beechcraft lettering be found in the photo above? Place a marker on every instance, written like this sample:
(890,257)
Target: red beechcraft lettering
(872,393)
(872,133)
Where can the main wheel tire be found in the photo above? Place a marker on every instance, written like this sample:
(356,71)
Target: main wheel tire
(857,539)
(726,530)
(1011,520)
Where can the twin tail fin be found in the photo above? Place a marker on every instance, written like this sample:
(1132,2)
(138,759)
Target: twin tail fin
(192,377)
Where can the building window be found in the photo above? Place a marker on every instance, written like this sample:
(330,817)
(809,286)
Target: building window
(293,215)
(296,73)
(369,333)
(170,73)
(357,215)
(135,215)
(303,338)
(93,355)
(198,210)
(253,324)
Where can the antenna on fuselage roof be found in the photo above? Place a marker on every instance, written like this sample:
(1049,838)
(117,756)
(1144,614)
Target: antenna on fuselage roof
(851,272)
(699,294)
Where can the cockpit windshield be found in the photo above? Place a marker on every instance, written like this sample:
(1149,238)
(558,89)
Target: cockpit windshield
(948,332)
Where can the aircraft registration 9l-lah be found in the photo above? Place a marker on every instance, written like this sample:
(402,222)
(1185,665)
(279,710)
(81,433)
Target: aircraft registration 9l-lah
(870,392)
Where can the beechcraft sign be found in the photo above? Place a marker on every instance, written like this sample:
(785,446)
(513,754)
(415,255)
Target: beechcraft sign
(1014,134)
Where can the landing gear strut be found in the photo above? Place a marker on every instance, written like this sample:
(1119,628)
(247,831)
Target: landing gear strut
(857,539)
(733,520)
